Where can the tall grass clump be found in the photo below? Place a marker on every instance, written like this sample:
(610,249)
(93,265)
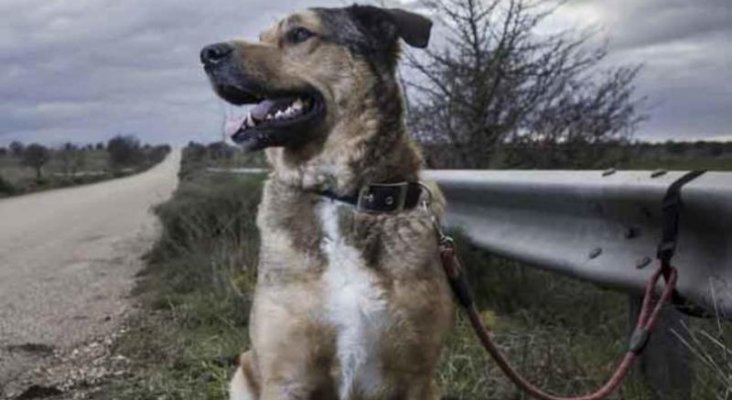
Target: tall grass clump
(197,289)
(6,188)
(710,344)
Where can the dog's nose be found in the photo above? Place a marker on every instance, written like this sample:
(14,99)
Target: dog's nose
(216,53)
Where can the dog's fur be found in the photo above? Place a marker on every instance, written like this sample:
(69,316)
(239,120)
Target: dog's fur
(348,304)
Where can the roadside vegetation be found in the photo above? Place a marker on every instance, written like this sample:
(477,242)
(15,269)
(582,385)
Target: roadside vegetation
(219,155)
(26,168)
(196,291)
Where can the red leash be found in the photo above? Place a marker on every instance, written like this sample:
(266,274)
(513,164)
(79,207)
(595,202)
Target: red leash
(644,327)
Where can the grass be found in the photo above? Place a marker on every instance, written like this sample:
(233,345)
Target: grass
(721,163)
(565,335)
(197,289)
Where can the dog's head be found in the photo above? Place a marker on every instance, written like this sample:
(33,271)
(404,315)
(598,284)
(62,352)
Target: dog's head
(310,71)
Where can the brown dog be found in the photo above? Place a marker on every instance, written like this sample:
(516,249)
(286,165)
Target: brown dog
(351,301)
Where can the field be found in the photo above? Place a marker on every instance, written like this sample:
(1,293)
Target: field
(12,170)
(71,167)
(565,335)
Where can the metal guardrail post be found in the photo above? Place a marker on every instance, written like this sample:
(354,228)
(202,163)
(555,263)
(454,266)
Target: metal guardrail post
(666,362)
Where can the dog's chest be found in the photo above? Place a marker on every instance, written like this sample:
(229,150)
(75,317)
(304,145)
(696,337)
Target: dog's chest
(355,305)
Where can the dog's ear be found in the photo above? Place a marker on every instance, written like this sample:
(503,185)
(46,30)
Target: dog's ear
(390,24)
(413,28)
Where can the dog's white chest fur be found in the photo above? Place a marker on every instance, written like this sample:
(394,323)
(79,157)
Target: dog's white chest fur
(355,305)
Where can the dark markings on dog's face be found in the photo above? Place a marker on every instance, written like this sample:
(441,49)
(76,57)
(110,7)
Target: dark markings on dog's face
(330,60)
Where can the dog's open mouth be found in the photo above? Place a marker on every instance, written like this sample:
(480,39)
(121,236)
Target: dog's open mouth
(278,120)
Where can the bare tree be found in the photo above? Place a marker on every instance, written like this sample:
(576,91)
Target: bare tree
(66,155)
(496,84)
(16,148)
(73,157)
(36,156)
(79,161)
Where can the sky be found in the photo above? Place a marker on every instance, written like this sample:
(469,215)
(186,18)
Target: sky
(86,70)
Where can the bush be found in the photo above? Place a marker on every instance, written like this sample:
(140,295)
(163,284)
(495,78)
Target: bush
(123,151)
(6,188)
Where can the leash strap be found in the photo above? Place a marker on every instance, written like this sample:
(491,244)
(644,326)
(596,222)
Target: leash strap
(650,308)
(646,322)
(671,216)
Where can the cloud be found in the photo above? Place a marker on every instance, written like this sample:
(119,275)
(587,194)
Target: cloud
(683,46)
(85,70)
(88,69)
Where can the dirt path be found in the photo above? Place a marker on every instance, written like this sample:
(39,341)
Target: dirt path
(67,265)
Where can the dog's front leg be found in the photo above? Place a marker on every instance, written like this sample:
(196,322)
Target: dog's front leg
(245,383)
(302,386)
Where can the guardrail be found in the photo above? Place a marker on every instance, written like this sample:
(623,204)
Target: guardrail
(602,227)
(605,227)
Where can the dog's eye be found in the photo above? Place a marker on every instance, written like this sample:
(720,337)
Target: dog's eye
(299,35)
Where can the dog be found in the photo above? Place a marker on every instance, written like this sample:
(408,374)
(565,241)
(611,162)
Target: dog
(351,301)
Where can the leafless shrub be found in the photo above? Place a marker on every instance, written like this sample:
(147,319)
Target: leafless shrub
(497,85)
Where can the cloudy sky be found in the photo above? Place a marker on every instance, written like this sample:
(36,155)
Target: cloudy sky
(84,70)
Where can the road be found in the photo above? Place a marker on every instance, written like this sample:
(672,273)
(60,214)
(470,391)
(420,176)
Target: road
(68,260)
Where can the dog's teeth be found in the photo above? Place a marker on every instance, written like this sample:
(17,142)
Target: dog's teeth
(250,121)
(279,114)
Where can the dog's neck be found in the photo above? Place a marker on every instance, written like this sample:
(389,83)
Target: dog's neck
(369,144)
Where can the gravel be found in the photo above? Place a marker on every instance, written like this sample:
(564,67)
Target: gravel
(68,260)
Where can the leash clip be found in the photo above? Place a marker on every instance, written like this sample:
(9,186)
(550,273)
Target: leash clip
(444,240)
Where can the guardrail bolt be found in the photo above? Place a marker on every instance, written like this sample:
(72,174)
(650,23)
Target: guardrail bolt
(632,232)
(609,172)
(595,252)
(643,262)
(658,172)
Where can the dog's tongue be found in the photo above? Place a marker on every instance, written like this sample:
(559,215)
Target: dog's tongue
(233,124)
(259,112)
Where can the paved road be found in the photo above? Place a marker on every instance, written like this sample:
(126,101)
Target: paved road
(67,262)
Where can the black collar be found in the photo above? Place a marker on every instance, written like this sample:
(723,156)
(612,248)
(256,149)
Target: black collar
(381,197)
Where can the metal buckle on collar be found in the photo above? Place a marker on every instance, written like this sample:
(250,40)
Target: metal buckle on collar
(366,199)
